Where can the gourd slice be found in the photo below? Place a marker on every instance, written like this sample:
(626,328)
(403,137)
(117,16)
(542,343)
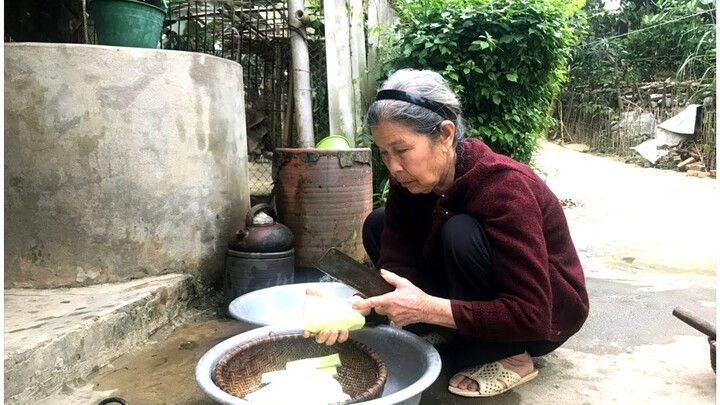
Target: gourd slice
(332,360)
(273,376)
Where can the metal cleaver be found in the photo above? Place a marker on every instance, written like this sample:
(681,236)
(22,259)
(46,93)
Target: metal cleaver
(365,280)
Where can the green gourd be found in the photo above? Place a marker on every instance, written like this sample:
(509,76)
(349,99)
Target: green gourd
(328,313)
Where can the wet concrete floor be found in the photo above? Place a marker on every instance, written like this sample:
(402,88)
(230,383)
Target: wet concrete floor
(164,371)
(630,351)
(644,253)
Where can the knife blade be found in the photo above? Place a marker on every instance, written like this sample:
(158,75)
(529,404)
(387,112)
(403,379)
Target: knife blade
(349,271)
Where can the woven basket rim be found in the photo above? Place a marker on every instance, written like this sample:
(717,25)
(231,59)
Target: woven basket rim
(372,392)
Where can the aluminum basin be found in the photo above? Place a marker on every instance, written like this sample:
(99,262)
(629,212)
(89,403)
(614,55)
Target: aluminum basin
(281,305)
(412,364)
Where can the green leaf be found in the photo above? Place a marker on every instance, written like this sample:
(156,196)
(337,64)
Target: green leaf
(511,77)
(479,44)
(496,99)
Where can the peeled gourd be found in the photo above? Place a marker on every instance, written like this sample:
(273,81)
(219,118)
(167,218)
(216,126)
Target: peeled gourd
(309,387)
(321,313)
(274,376)
(303,382)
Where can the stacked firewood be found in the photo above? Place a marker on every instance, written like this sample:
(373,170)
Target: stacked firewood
(689,159)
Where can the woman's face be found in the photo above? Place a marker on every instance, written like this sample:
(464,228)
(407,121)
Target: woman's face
(420,164)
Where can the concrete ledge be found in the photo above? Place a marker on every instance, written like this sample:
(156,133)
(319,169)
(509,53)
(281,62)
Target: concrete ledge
(141,182)
(56,336)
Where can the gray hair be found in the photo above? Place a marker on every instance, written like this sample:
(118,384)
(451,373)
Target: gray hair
(426,83)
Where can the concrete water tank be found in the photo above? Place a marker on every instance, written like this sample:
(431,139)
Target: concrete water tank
(120,163)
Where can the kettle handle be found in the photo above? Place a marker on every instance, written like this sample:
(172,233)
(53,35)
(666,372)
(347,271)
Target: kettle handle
(113,400)
(255,209)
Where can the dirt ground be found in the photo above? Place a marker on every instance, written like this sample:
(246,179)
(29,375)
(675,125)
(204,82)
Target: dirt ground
(648,241)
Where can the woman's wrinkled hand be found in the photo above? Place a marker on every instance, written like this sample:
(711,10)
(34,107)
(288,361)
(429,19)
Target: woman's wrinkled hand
(329,337)
(406,305)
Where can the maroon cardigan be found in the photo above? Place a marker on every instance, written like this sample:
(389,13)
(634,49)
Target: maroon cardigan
(542,293)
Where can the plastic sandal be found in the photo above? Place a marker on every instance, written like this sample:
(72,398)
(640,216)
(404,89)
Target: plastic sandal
(493,379)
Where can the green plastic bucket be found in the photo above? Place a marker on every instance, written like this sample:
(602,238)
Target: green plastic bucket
(127,22)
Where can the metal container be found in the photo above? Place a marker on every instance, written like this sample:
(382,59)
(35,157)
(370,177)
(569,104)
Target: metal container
(281,305)
(260,254)
(412,363)
(323,196)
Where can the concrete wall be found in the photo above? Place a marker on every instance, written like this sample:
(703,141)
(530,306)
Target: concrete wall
(120,163)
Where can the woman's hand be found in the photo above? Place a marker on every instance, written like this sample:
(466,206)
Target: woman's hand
(327,336)
(406,305)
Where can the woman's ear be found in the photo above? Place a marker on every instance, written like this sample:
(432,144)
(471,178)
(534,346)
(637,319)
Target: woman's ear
(447,133)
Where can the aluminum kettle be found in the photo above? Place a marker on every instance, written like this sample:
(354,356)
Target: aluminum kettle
(261,233)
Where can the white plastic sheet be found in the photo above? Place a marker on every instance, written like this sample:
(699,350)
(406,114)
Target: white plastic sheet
(683,122)
(669,133)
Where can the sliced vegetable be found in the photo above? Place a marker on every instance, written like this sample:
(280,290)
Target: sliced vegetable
(313,363)
(331,371)
(273,376)
(310,387)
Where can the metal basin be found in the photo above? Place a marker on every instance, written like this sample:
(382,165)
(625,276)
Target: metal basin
(281,305)
(412,363)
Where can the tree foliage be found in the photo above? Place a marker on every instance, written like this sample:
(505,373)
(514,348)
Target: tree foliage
(506,59)
(646,40)
(679,37)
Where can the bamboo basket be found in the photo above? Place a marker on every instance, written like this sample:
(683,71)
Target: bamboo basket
(362,374)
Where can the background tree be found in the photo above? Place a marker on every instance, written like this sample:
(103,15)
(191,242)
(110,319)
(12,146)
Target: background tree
(506,59)
(643,41)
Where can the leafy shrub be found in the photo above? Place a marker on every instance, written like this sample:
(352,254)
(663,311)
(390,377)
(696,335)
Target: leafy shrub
(505,58)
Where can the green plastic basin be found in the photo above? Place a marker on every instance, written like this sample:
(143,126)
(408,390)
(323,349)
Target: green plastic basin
(333,142)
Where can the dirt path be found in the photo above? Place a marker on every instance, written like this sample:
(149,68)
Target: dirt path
(631,221)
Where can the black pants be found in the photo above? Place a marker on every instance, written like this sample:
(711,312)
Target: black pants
(468,275)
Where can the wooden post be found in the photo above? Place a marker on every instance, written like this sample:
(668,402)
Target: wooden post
(341,106)
(302,92)
(358,63)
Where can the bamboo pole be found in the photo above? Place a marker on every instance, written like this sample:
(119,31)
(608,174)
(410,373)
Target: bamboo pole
(302,92)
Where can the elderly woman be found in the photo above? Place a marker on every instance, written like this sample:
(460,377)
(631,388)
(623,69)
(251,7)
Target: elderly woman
(475,243)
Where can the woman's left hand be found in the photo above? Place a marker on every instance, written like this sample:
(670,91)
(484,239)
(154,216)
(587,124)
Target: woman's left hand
(406,305)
